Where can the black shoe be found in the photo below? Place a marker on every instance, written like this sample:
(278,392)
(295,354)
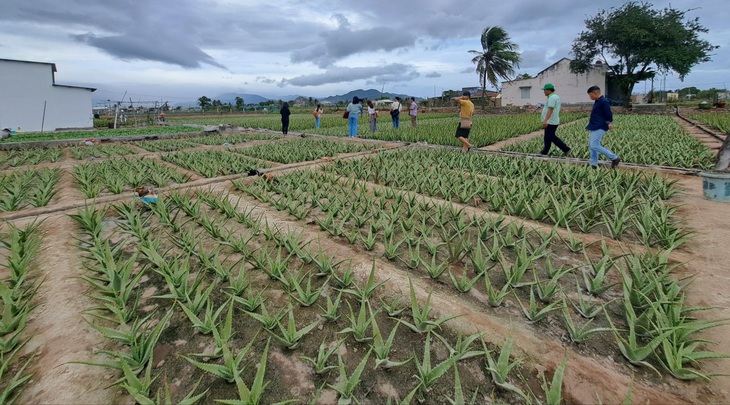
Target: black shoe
(567,153)
(615,162)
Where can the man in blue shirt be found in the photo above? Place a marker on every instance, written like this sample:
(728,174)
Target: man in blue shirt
(550,121)
(601,120)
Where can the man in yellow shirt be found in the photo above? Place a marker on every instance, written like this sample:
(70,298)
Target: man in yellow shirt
(465,115)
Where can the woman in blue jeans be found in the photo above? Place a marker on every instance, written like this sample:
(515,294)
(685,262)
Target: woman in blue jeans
(355,109)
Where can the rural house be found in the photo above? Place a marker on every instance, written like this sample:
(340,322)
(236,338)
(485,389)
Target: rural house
(570,86)
(32,101)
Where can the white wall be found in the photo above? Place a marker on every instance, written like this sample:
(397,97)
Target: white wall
(26,86)
(569,86)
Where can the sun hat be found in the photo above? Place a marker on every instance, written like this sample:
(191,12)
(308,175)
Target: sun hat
(548,86)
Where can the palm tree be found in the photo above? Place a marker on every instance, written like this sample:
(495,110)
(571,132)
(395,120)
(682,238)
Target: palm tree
(497,59)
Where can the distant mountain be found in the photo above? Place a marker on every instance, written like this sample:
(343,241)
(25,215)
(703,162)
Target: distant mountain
(226,98)
(371,94)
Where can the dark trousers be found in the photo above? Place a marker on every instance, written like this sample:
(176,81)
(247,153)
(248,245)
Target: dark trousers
(551,138)
(285,126)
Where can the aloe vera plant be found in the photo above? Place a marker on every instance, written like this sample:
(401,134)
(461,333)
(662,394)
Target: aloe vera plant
(324,353)
(360,323)
(345,385)
(381,347)
(421,322)
(331,312)
(464,283)
(290,337)
(579,333)
(427,374)
(500,369)
(533,312)
(231,367)
(366,291)
(554,390)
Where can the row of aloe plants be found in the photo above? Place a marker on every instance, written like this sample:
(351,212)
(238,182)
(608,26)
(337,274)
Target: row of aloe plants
(300,150)
(30,157)
(658,299)
(18,288)
(286,329)
(719,120)
(644,139)
(117,176)
(214,163)
(617,204)
(101,151)
(487,129)
(170,145)
(32,187)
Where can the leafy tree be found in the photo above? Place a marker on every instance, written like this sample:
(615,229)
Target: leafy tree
(636,41)
(204,102)
(524,76)
(239,103)
(498,57)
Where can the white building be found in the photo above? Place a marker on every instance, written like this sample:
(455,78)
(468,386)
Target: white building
(571,87)
(31,101)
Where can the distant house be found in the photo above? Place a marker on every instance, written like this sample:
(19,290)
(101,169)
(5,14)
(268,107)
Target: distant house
(494,97)
(570,86)
(32,101)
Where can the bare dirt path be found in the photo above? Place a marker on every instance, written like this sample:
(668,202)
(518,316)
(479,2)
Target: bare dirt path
(60,334)
(711,142)
(708,258)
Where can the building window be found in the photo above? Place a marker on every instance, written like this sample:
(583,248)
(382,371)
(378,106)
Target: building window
(525,93)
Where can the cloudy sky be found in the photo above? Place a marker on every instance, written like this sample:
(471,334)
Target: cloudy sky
(179,50)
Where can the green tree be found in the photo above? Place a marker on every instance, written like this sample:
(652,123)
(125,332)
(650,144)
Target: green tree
(204,102)
(498,58)
(523,76)
(636,42)
(239,103)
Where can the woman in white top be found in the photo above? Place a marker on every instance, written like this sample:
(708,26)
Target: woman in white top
(372,116)
(355,110)
(395,112)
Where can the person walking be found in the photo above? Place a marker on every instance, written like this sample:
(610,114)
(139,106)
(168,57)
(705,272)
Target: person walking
(466,112)
(413,111)
(600,121)
(395,112)
(285,113)
(354,110)
(550,120)
(317,114)
(372,116)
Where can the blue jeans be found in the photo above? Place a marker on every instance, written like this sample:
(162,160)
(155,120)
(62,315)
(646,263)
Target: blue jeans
(352,125)
(396,121)
(316,122)
(594,144)
(373,124)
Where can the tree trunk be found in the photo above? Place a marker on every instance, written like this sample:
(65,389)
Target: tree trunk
(723,155)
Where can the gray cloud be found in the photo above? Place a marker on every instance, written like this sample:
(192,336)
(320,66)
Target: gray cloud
(265,80)
(433,74)
(395,72)
(135,48)
(334,45)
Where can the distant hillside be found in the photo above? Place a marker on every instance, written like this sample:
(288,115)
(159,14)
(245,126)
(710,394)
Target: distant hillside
(247,98)
(371,94)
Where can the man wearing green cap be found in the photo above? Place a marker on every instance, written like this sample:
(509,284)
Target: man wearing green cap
(551,120)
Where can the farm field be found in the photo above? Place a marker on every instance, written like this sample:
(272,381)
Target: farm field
(643,139)
(720,121)
(353,270)
(103,133)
